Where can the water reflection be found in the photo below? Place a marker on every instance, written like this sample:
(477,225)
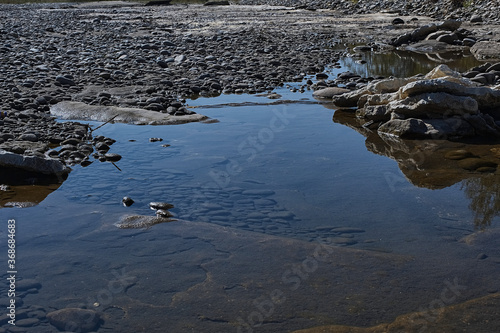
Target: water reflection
(436,164)
(484,195)
(405,63)
(25,189)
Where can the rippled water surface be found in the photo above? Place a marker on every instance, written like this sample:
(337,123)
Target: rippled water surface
(285,221)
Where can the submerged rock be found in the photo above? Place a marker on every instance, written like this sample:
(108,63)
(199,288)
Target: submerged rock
(74,319)
(141,221)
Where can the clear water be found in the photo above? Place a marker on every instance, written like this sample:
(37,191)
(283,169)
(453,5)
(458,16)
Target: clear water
(255,193)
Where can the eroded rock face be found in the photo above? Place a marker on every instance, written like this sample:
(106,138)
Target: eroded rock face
(441,105)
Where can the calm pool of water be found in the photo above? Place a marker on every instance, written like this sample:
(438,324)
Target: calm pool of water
(255,193)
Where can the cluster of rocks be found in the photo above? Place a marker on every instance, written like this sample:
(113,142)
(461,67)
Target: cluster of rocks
(133,57)
(439,105)
(448,32)
(476,11)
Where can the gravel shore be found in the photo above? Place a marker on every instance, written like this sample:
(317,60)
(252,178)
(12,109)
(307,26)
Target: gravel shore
(153,57)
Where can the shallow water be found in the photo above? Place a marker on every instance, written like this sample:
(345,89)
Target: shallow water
(254,195)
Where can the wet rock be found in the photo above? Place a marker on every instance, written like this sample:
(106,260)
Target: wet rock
(163,213)
(127,202)
(141,221)
(160,205)
(112,157)
(74,319)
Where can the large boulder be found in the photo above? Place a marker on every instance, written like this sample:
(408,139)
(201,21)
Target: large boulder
(439,104)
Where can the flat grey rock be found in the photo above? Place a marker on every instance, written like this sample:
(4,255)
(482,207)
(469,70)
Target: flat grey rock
(81,111)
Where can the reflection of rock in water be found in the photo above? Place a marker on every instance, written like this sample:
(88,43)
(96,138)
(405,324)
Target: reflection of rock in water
(437,164)
(24,189)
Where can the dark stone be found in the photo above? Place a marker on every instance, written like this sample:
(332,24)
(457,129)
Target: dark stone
(112,157)
(127,202)
(160,205)
(216,3)
(476,19)
(397,21)
(65,81)
(74,320)
(158,3)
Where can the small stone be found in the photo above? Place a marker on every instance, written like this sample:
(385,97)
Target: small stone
(398,21)
(476,19)
(65,81)
(29,137)
(481,256)
(160,205)
(74,319)
(163,213)
(112,157)
(127,201)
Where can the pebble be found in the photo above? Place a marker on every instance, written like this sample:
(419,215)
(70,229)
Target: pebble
(127,202)
(160,205)
(85,320)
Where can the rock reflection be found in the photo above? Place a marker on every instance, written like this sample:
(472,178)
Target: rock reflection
(405,63)
(484,195)
(23,189)
(436,164)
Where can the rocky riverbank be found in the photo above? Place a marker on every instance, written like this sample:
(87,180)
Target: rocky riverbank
(477,10)
(127,56)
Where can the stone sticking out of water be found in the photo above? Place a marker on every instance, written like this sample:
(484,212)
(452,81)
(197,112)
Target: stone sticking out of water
(141,221)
